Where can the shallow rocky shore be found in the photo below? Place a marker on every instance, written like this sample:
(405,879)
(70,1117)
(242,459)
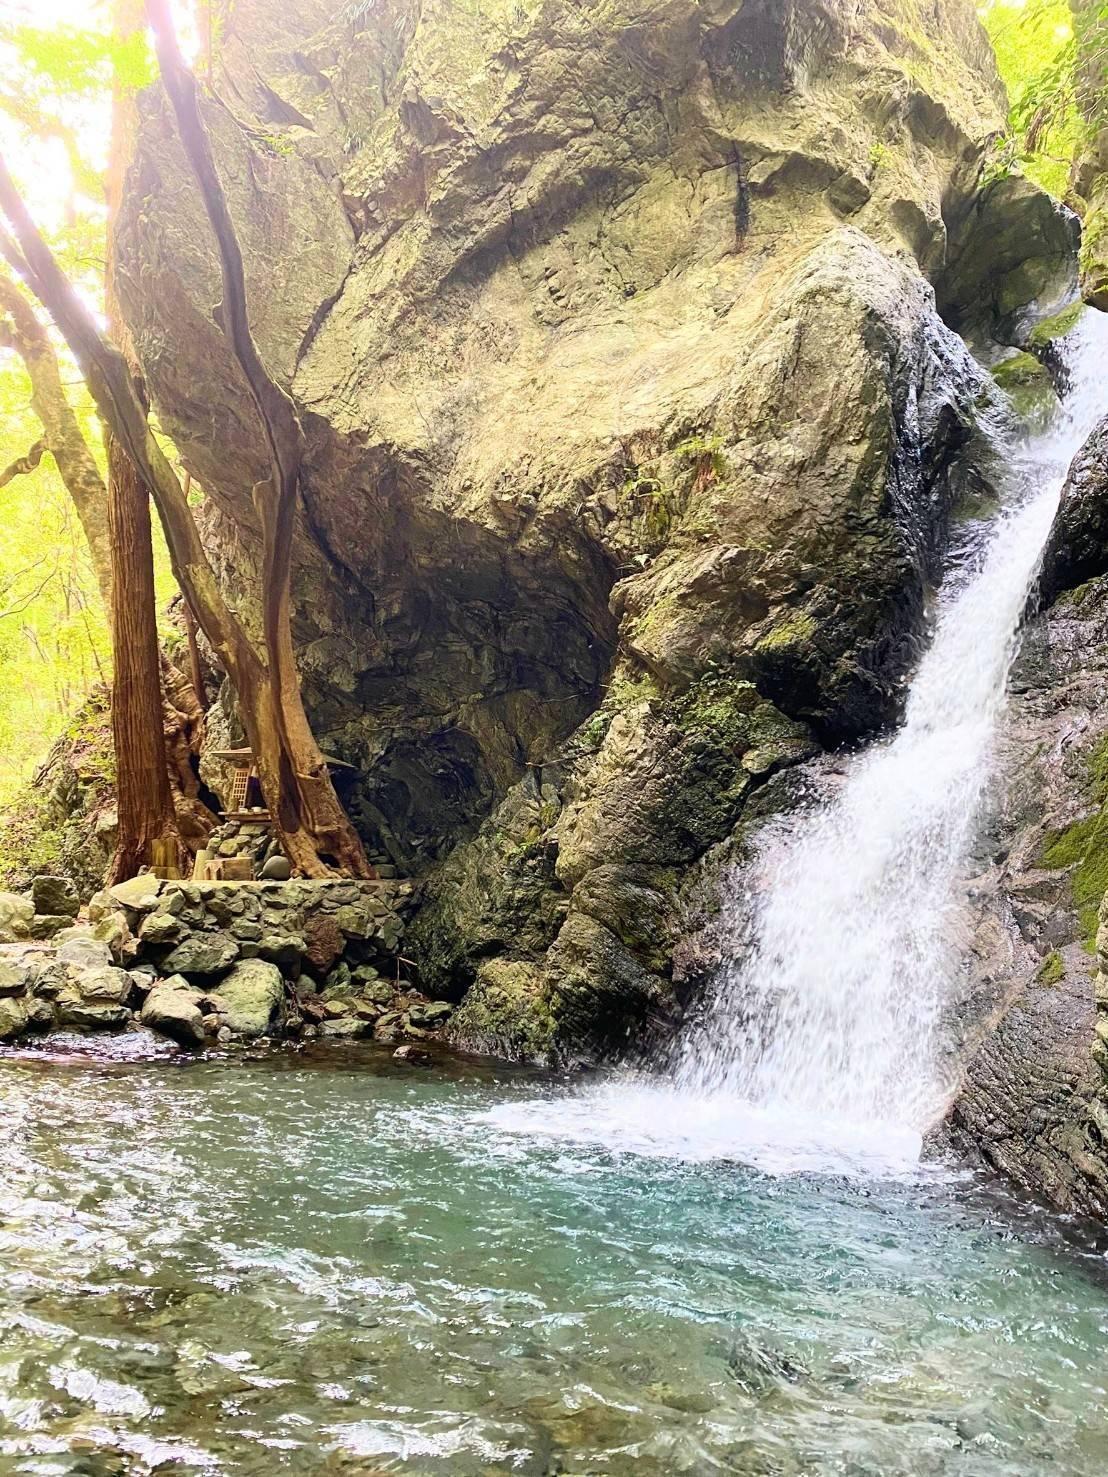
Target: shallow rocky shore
(214,963)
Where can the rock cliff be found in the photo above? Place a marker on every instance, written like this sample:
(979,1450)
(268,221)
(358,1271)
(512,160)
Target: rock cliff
(1036,1094)
(635,430)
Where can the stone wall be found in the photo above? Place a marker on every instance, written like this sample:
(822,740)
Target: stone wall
(211,963)
(201,929)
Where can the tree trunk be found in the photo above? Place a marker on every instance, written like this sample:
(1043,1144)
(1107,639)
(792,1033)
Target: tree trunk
(196,670)
(310,822)
(147,819)
(148,833)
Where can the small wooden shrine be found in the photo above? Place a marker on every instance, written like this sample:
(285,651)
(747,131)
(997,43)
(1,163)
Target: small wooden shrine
(236,849)
(244,797)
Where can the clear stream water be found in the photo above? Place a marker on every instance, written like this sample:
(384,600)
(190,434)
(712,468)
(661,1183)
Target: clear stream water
(339,1265)
(328,1262)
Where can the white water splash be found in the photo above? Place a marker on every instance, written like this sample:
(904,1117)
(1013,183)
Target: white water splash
(821,1044)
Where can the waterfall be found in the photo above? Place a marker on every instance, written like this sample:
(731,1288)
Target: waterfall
(821,1042)
(835,1006)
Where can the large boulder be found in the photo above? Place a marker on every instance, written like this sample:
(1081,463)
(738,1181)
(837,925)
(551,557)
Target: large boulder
(633,432)
(1077,549)
(1034,1099)
(55,895)
(13,1018)
(17,974)
(92,997)
(172,1009)
(249,998)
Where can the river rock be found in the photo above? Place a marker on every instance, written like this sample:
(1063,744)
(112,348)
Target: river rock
(13,1018)
(160,928)
(173,1009)
(283,949)
(250,997)
(102,984)
(202,954)
(86,1016)
(17,975)
(429,1013)
(48,925)
(55,895)
(338,982)
(40,1014)
(416,1056)
(16,913)
(344,1026)
(138,894)
(388,1027)
(356,922)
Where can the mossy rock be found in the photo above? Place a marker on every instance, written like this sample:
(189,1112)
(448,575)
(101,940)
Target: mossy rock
(1047,333)
(1094,258)
(1022,371)
(1083,849)
(1052,970)
(506,1013)
(1028,384)
(796,630)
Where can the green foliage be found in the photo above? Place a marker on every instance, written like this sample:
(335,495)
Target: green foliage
(45,826)
(56,85)
(1036,54)
(75,59)
(53,631)
(54,642)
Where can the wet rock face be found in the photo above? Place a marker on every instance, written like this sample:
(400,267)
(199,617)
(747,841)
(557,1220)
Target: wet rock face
(1078,546)
(633,429)
(1034,1099)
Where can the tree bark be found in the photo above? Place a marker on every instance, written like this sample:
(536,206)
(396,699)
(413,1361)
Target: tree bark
(196,669)
(147,818)
(311,824)
(290,764)
(148,831)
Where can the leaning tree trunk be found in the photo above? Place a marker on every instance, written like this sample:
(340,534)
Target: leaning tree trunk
(309,820)
(62,436)
(148,834)
(315,830)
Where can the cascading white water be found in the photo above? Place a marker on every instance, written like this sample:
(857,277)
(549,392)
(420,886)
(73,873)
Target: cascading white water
(821,1042)
(834,1009)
